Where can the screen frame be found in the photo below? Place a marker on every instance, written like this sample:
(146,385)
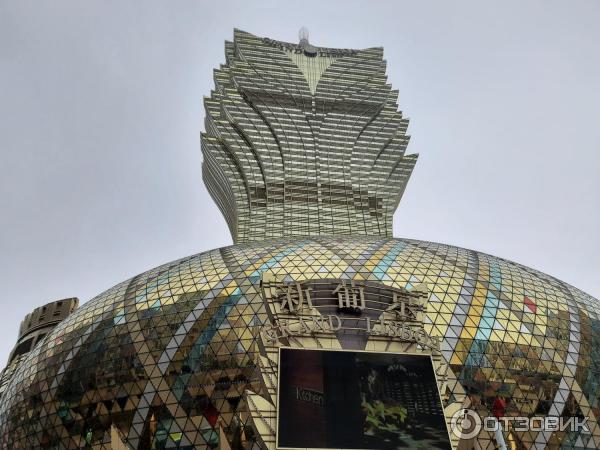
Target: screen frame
(285,347)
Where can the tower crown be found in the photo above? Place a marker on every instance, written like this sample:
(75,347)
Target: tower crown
(303,140)
(303,34)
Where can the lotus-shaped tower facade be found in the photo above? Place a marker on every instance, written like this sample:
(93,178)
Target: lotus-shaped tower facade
(304,153)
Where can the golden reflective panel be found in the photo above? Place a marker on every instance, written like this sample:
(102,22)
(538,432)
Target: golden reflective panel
(239,348)
(185,356)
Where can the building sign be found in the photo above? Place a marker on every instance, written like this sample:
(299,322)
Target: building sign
(296,48)
(331,323)
(293,297)
(351,297)
(310,396)
(321,307)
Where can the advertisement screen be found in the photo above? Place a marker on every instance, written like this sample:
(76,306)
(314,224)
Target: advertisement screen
(358,400)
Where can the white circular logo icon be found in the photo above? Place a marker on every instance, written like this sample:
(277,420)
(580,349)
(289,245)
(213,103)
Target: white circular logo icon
(465,424)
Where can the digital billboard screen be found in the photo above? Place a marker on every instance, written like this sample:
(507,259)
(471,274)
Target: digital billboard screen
(332,399)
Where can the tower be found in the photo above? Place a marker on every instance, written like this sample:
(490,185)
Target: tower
(305,144)
(304,141)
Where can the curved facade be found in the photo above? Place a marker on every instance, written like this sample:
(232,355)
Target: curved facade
(39,322)
(304,153)
(168,356)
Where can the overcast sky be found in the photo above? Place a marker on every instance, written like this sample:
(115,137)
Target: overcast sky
(101,110)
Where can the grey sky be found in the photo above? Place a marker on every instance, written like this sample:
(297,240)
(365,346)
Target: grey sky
(101,109)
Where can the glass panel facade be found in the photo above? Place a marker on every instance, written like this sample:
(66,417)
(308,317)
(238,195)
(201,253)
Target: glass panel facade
(304,153)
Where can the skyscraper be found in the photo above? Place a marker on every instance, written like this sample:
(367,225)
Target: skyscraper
(304,153)
(304,141)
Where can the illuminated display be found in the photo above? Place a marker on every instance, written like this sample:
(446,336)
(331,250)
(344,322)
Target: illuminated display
(352,400)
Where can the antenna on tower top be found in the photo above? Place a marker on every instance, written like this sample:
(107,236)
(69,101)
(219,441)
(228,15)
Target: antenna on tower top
(303,35)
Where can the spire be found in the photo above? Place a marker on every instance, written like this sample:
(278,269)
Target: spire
(303,35)
(307,49)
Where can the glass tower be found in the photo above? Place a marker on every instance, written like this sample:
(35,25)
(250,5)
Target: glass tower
(304,153)
(304,141)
